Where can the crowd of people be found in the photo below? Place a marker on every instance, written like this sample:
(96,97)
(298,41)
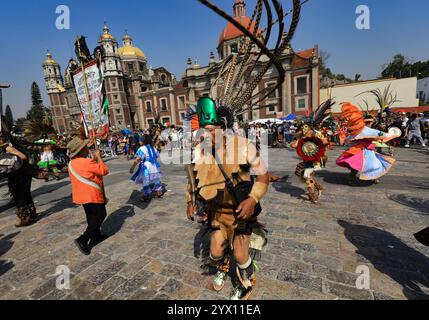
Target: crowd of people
(231,207)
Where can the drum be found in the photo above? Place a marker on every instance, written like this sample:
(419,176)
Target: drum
(311,149)
(395,131)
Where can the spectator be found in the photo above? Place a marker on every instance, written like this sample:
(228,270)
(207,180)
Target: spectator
(414,131)
(86,176)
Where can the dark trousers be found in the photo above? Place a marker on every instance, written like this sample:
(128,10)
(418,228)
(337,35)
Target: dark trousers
(20,187)
(95,215)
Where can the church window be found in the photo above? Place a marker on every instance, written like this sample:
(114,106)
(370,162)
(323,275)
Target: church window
(182,102)
(165,120)
(148,106)
(273,94)
(301,85)
(163,104)
(130,67)
(234,48)
(141,64)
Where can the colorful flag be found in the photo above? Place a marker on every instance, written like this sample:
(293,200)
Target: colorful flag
(97,122)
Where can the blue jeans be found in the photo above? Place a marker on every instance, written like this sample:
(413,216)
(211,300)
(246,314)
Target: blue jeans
(415,134)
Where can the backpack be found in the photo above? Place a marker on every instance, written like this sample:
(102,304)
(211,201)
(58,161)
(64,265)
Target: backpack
(9,163)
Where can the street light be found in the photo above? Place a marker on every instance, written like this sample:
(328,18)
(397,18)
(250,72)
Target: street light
(2,86)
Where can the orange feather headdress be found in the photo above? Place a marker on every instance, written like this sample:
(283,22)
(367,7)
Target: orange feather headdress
(353,117)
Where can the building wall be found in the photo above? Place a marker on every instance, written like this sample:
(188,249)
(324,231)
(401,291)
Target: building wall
(355,93)
(423,90)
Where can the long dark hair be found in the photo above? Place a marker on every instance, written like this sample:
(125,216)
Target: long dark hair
(147,140)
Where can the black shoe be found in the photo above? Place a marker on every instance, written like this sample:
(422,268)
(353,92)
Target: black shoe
(98,240)
(423,237)
(83,247)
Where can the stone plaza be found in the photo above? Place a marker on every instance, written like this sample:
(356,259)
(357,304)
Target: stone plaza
(314,252)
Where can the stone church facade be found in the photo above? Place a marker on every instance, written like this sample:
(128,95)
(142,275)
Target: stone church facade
(140,96)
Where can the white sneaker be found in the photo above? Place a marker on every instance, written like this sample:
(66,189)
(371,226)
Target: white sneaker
(423,145)
(407,146)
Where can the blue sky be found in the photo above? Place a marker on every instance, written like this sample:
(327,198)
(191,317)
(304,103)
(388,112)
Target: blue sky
(170,31)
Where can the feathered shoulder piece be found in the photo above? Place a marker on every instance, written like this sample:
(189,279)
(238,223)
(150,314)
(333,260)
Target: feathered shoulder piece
(353,118)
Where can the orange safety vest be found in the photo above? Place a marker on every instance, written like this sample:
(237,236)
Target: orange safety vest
(86,176)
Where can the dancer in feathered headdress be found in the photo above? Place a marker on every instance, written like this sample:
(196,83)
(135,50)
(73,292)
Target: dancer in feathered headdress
(361,158)
(227,173)
(310,145)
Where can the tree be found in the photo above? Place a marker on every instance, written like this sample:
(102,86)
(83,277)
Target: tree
(357,77)
(323,58)
(38,112)
(8,117)
(401,67)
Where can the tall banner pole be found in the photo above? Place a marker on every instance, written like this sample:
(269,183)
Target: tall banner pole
(88,99)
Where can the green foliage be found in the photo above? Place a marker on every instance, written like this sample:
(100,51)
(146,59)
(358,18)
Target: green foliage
(37,112)
(400,67)
(8,117)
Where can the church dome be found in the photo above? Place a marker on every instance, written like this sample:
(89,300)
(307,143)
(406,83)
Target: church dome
(106,34)
(49,60)
(129,51)
(231,32)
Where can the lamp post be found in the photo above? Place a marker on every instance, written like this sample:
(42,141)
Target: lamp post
(2,86)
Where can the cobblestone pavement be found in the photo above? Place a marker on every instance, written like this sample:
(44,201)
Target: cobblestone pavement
(153,252)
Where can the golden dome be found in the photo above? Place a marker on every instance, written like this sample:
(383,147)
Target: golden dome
(49,59)
(130,51)
(106,35)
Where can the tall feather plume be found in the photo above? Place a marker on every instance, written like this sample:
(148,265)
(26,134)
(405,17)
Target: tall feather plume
(322,112)
(237,80)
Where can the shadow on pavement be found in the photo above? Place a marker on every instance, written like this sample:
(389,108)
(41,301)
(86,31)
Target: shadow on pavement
(135,200)
(49,188)
(5,245)
(116,220)
(419,205)
(391,256)
(7,206)
(285,186)
(340,178)
(60,205)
